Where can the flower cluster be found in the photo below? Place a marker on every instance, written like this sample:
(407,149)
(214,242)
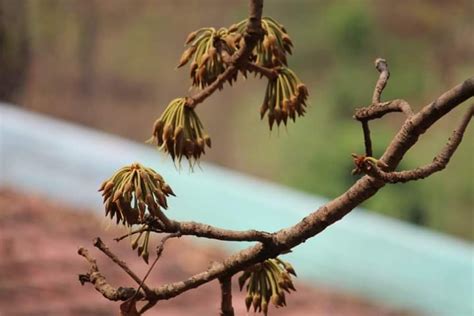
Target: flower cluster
(285,97)
(206,45)
(276,43)
(179,132)
(134,191)
(266,283)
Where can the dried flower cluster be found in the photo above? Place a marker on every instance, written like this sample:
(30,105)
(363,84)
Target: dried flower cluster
(276,43)
(179,132)
(285,97)
(206,46)
(267,283)
(134,191)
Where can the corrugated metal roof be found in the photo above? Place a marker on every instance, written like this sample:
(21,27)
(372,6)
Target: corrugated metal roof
(381,258)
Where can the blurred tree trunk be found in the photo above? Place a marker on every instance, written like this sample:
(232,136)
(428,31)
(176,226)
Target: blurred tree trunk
(14,49)
(87,48)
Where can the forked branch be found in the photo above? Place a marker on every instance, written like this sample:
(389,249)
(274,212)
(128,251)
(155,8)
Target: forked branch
(440,161)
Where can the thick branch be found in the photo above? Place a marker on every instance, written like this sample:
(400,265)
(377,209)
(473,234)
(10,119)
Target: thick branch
(417,124)
(439,162)
(226,296)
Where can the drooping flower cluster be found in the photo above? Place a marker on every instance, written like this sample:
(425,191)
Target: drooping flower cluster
(267,283)
(179,132)
(285,97)
(276,43)
(206,45)
(134,191)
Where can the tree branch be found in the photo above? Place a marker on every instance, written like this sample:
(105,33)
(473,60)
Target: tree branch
(314,223)
(417,124)
(271,245)
(379,110)
(270,73)
(211,232)
(440,161)
(226,296)
(334,210)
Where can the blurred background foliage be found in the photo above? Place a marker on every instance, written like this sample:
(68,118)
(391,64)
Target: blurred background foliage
(111,65)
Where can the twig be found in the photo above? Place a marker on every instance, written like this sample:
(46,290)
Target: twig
(134,232)
(152,300)
(377,111)
(208,231)
(147,306)
(226,296)
(99,282)
(270,73)
(102,247)
(193,101)
(367,140)
(382,67)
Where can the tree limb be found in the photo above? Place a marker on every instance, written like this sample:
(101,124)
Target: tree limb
(417,124)
(320,219)
(440,161)
(334,210)
(271,245)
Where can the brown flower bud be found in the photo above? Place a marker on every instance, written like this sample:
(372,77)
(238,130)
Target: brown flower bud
(190,37)
(187,54)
